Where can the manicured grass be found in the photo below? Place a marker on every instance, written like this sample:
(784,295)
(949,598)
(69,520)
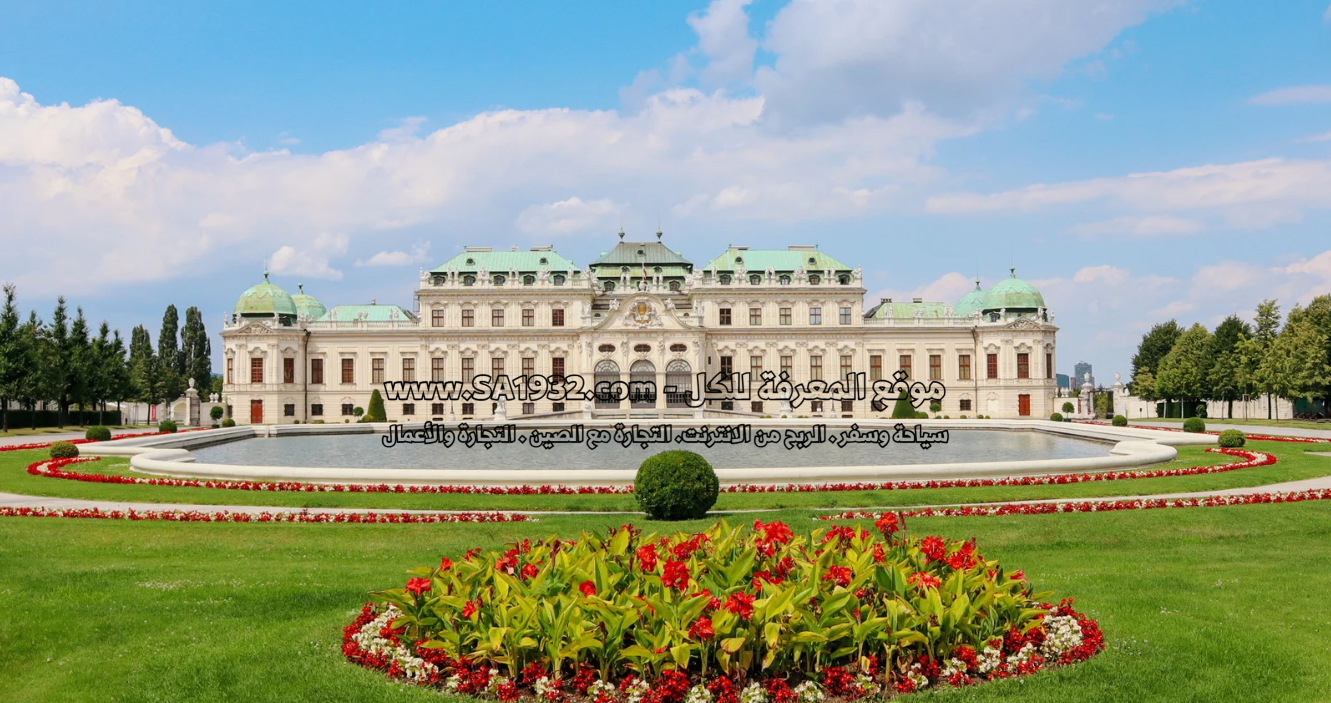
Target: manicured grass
(29,432)
(1293,464)
(1255,422)
(1209,604)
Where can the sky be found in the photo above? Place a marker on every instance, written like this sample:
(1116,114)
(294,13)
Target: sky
(1136,160)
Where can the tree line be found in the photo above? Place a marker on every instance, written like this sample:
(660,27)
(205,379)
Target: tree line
(63,361)
(1238,359)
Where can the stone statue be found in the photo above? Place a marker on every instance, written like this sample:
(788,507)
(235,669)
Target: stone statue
(587,408)
(501,410)
(1118,378)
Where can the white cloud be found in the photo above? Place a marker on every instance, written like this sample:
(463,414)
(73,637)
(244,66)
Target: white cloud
(406,129)
(723,37)
(568,216)
(856,57)
(1150,226)
(418,253)
(312,259)
(1174,309)
(1295,95)
(1323,137)
(947,289)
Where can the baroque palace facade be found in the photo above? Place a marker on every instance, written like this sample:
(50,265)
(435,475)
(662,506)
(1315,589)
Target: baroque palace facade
(640,312)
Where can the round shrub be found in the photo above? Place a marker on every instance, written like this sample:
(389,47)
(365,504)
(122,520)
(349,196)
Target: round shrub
(1056,417)
(1194,424)
(99,433)
(167,426)
(64,450)
(935,406)
(921,415)
(216,413)
(676,485)
(1232,439)
(1120,421)
(1067,407)
(229,422)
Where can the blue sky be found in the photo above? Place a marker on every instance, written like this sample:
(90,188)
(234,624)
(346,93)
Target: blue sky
(1137,159)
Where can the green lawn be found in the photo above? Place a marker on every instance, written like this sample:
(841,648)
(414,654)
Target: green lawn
(1210,604)
(29,432)
(1285,424)
(1294,464)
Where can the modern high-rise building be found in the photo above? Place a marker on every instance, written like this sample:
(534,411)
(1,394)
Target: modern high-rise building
(1080,372)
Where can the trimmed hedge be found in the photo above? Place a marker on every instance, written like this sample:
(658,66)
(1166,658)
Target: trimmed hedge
(64,450)
(98,433)
(228,422)
(1194,424)
(51,418)
(1120,421)
(676,485)
(1056,417)
(1232,439)
(167,426)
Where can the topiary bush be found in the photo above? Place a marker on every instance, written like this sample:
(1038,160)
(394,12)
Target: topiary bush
(1068,407)
(903,408)
(1056,417)
(167,426)
(1231,439)
(376,412)
(229,422)
(1120,421)
(1194,424)
(935,407)
(98,433)
(216,413)
(676,485)
(64,450)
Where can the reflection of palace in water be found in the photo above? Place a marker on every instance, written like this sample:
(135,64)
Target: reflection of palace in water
(640,312)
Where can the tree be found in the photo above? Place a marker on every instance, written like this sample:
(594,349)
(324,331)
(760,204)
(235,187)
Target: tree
(903,407)
(34,384)
(1267,325)
(57,360)
(119,385)
(1144,385)
(197,351)
(1318,314)
(145,368)
(97,372)
(80,358)
(1224,377)
(376,412)
(1296,366)
(11,352)
(171,363)
(1183,371)
(1152,349)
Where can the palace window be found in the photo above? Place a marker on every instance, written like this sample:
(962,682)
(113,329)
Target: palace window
(348,370)
(642,348)
(727,366)
(497,317)
(408,409)
(965,403)
(816,407)
(845,315)
(755,280)
(557,368)
(256,370)
(288,370)
(230,370)
(903,363)
(606,348)
(935,367)
(785,316)
(436,409)
(964,367)
(755,367)
(843,279)
(437,317)
(557,317)
(437,368)
(528,280)
(725,279)
(559,279)
(815,316)
(528,367)
(528,408)
(1048,365)
(875,367)
(847,406)
(348,409)
(317,410)
(679,347)
(847,366)
(756,406)
(815,368)
(289,410)
(725,316)
(815,280)
(1023,365)
(991,365)
(499,280)
(468,318)
(528,317)
(468,368)
(409,369)
(496,366)
(468,409)
(377,370)
(755,316)
(317,371)
(468,280)
(787,366)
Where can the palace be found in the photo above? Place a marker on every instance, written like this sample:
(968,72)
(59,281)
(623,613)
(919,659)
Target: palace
(640,312)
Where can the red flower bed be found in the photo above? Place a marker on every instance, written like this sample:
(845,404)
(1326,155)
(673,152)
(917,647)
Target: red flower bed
(1250,459)
(304,517)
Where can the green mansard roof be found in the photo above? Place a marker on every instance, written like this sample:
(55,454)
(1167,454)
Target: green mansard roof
(808,258)
(477,258)
(637,254)
(367,313)
(899,310)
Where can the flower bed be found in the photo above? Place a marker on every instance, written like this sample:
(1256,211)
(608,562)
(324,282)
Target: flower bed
(722,616)
(1250,459)
(302,517)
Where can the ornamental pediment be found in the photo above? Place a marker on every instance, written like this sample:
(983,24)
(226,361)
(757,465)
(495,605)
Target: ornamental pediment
(641,312)
(1023,323)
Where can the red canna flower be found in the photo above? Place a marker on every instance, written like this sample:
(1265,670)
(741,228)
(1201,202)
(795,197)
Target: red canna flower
(588,588)
(445,564)
(740,604)
(529,570)
(840,574)
(702,629)
(676,575)
(469,609)
(933,548)
(647,557)
(418,586)
(923,581)
(889,524)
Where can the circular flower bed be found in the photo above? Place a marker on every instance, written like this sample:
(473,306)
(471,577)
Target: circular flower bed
(723,616)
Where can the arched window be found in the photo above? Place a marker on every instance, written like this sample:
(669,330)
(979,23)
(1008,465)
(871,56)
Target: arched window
(674,285)
(678,382)
(642,384)
(606,372)
(755,280)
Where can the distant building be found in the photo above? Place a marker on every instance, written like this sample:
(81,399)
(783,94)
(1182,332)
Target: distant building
(1064,382)
(1081,371)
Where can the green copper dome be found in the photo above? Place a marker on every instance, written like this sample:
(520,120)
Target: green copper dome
(307,306)
(970,303)
(1013,295)
(266,300)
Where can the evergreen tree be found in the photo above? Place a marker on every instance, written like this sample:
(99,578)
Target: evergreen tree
(11,351)
(98,371)
(1224,377)
(376,412)
(903,407)
(1153,348)
(1267,326)
(119,386)
(80,359)
(170,362)
(197,351)
(1184,369)
(145,367)
(57,360)
(34,384)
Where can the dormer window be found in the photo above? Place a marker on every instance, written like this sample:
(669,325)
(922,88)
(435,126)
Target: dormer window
(815,279)
(528,280)
(813,261)
(623,269)
(844,279)
(499,280)
(674,285)
(739,259)
(725,279)
(559,279)
(755,280)
(544,261)
(657,269)
(642,253)
(468,280)
(471,262)
(785,280)
(608,286)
